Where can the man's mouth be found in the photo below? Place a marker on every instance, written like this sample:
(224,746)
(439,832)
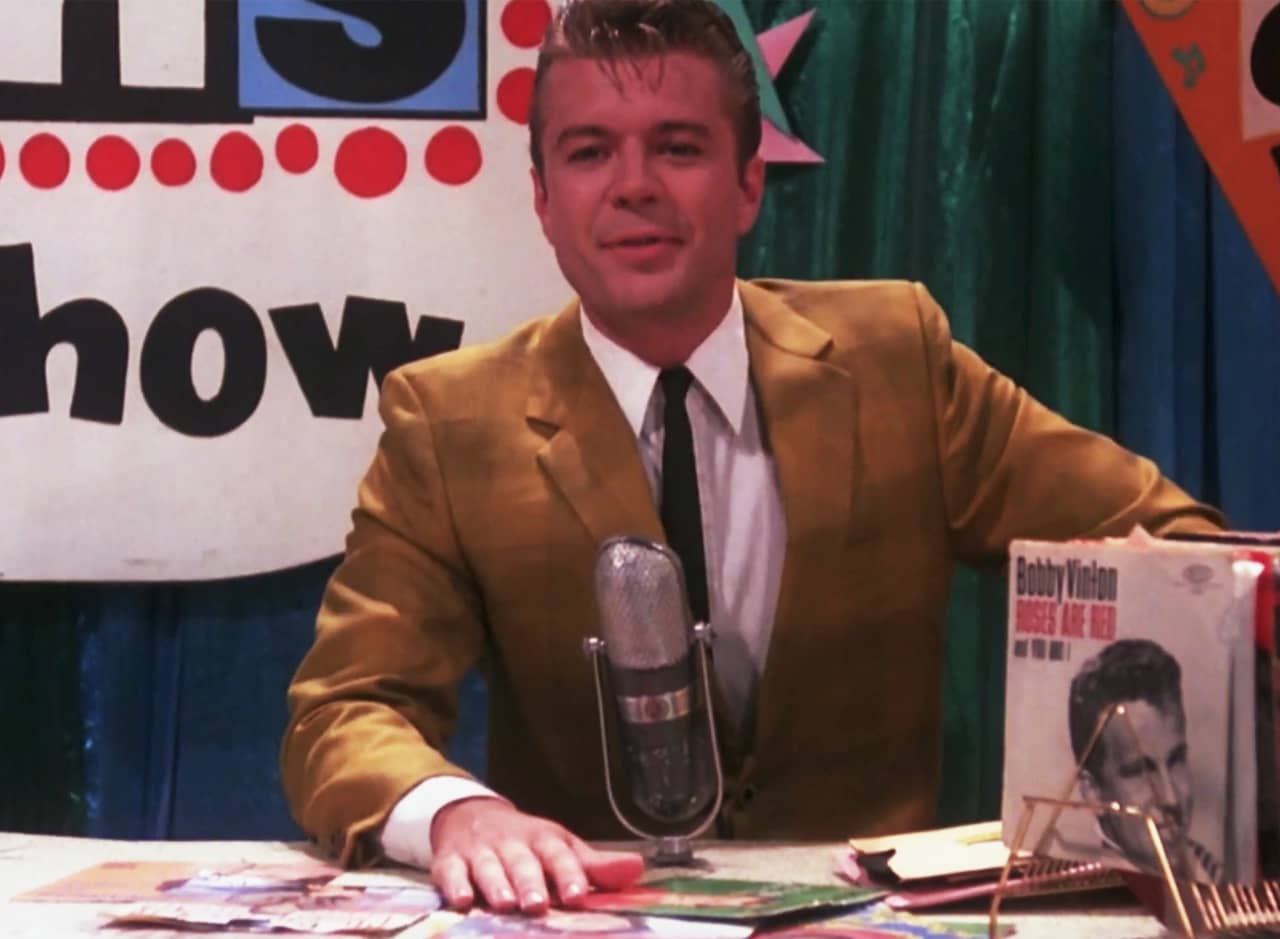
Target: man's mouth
(644,240)
(1169,825)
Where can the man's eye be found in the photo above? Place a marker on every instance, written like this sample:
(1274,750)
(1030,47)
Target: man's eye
(681,149)
(1136,768)
(586,154)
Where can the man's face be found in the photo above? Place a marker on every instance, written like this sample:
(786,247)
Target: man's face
(641,196)
(1153,777)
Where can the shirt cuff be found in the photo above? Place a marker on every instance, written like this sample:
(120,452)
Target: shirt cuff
(406,837)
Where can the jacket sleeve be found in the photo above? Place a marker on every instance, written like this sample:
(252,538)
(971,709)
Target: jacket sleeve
(1012,468)
(400,624)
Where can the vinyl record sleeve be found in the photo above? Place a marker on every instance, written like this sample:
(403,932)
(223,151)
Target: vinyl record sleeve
(1166,630)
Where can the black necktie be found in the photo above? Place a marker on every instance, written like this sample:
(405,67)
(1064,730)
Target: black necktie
(681,513)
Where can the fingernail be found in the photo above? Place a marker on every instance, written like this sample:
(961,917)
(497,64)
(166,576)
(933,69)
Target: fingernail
(535,898)
(506,896)
(574,890)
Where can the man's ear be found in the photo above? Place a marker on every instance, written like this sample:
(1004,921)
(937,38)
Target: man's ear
(539,198)
(1090,791)
(751,187)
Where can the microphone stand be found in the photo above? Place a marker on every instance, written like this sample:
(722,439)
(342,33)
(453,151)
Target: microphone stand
(669,850)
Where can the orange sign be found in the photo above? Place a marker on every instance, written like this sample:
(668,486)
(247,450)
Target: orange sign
(1220,60)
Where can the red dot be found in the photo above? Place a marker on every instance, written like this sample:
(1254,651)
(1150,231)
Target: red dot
(236,163)
(515,94)
(112,162)
(44,161)
(173,163)
(296,148)
(453,156)
(524,22)
(1,160)
(370,162)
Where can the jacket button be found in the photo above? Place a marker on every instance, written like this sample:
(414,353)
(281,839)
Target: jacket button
(747,796)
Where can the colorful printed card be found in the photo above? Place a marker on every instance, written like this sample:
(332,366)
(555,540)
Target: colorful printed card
(310,897)
(709,898)
(597,924)
(877,921)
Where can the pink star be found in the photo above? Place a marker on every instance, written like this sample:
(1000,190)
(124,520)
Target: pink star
(776,46)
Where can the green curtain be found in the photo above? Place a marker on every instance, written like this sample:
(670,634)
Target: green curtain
(967,147)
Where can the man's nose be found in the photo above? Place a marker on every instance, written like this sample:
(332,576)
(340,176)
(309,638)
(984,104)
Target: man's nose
(634,182)
(1169,794)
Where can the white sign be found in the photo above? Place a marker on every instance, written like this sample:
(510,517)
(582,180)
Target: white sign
(214,233)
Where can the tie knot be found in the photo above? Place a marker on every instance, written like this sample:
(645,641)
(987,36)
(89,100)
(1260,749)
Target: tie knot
(675,383)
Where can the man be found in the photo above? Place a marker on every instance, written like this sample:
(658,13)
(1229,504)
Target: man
(1140,759)
(844,451)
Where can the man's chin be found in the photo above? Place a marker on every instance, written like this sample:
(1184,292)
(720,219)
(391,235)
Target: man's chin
(1175,850)
(648,300)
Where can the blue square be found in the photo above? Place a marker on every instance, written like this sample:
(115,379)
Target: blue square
(408,58)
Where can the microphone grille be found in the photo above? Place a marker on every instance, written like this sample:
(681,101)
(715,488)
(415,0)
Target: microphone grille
(644,617)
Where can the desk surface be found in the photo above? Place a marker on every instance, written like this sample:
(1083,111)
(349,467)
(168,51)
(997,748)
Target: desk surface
(29,861)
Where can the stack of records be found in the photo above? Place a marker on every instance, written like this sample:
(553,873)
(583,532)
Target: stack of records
(1142,686)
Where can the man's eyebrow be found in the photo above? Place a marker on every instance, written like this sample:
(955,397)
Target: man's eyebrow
(684,127)
(598,132)
(594,131)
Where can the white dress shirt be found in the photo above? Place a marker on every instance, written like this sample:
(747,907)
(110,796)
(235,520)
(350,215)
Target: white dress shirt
(743,530)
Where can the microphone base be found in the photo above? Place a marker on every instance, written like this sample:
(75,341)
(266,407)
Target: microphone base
(672,851)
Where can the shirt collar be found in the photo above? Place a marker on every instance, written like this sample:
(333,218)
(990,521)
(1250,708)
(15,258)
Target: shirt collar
(719,364)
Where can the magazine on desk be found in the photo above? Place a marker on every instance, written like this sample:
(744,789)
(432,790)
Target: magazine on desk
(726,899)
(1167,638)
(306,897)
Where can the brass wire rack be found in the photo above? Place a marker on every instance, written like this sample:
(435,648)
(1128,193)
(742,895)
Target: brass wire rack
(1199,909)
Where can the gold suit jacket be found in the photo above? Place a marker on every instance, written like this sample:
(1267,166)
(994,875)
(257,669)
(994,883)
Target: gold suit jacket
(501,469)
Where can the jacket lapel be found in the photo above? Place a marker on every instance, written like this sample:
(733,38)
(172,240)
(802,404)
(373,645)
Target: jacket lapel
(809,410)
(591,455)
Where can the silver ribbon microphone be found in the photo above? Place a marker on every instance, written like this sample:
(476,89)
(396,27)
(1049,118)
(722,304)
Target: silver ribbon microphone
(658,674)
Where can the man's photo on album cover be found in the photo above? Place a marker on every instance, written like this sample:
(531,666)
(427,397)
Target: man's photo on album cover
(1148,646)
(1141,757)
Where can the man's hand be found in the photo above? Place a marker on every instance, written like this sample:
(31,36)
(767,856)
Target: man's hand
(488,845)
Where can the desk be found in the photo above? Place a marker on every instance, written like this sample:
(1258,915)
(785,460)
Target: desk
(29,861)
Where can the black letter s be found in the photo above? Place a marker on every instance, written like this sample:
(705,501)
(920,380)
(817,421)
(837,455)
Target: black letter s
(419,40)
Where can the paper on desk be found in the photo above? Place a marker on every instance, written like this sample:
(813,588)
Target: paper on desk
(594,923)
(130,881)
(739,900)
(878,921)
(399,877)
(285,919)
(301,897)
(944,852)
(930,869)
